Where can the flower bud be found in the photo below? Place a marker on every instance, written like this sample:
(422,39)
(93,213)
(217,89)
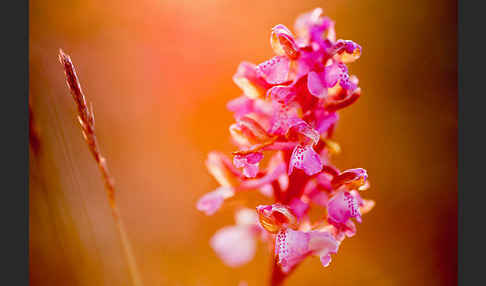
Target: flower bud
(247,131)
(353,179)
(276,216)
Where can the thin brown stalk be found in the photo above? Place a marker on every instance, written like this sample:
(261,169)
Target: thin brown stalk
(87,123)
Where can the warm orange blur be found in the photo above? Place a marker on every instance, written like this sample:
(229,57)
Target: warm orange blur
(159,75)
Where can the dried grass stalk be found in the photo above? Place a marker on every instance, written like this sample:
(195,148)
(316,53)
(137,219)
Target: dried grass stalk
(87,123)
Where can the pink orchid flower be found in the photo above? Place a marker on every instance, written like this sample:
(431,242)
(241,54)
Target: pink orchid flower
(284,123)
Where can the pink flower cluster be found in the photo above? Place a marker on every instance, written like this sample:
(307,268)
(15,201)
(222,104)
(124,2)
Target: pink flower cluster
(285,121)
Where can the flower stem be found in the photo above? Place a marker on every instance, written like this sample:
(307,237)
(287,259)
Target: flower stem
(278,276)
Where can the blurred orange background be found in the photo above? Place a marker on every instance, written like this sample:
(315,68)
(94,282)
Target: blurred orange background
(159,75)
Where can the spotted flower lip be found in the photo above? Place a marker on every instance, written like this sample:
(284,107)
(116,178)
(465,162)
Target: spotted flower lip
(365,205)
(291,247)
(276,70)
(304,157)
(342,207)
(285,120)
(282,93)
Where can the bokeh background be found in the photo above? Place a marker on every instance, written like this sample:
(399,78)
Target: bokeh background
(159,75)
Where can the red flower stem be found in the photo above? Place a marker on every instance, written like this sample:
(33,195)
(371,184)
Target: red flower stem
(278,276)
(277,191)
(297,181)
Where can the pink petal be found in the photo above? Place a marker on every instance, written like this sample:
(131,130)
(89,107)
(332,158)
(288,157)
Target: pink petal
(272,174)
(235,245)
(247,131)
(318,197)
(282,118)
(316,85)
(324,120)
(240,106)
(344,79)
(364,205)
(306,159)
(250,171)
(325,260)
(307,61)
(367,206)
(323,244)
(275,71)
(322,34)
(305,21)
(254,158)
(331,75)
(301,131)
(319,82)
(291,247)
(298,207)
(249,81)
(282,94)
(249,163)
(341,207)
(212,201)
